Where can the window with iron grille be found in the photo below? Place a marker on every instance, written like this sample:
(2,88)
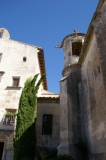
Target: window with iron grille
(16,81)
(10,116)
(47,124)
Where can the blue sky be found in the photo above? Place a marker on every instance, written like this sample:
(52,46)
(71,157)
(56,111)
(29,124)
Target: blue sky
(45,23)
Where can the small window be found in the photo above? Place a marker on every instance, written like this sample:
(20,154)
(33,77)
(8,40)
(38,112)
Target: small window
(10,116)
(24,59)
(16,82)
(47,124)
(1,74)
(98,70)
(0,56)
(76,48)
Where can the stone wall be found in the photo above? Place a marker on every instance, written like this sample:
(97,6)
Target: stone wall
(93,89)
(48,106)
(70,120)
(6,136)
(13,65)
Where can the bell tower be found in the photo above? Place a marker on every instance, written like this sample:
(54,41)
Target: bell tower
(70,133)
(71,45)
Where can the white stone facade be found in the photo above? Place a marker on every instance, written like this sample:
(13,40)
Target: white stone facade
(18,61)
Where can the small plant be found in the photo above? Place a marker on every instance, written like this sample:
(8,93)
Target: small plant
(65,157)
(52,155)
(10,113)
(46,154)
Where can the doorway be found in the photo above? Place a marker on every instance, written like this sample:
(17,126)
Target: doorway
(1,149)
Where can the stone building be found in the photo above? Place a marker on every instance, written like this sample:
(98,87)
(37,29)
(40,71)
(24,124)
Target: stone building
(19,61)
(83,90)
(77,117)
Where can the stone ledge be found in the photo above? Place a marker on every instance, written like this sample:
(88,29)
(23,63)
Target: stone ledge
(13,88)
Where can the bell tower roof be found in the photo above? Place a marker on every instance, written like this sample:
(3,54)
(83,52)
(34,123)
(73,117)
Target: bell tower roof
(74,34)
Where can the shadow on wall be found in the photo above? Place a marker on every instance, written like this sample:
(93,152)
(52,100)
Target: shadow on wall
(24,147)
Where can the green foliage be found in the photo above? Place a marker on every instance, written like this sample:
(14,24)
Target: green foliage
(47,154)
(10,113)
(52,155)
(65,157)
(25,137)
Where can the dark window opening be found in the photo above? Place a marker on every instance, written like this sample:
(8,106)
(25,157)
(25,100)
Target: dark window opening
(0,56)
(16,82)
(98,70)
(1,149)
(47,124)
(24,59)
(76,48)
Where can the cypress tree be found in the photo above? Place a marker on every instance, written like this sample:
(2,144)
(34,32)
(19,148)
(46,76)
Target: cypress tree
(25,136)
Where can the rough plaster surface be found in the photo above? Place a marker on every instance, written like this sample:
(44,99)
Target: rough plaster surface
(94,117)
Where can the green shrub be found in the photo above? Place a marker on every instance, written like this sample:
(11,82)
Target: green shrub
(47,154)
(52,155)
(25,137)
(65,157)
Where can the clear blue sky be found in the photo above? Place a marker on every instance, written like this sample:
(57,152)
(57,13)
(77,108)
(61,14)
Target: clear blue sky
(45,23)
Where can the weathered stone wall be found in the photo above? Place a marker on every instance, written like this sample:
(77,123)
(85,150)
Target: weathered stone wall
(70,122)
(6,136)
(94,100)
(48,106)
(99,25)
(12,65)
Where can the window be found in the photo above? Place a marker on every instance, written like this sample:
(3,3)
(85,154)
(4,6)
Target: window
(47,124)
(16,81)
(10,116)
(76,48)
(1,74)
(24,59)
(0,56)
